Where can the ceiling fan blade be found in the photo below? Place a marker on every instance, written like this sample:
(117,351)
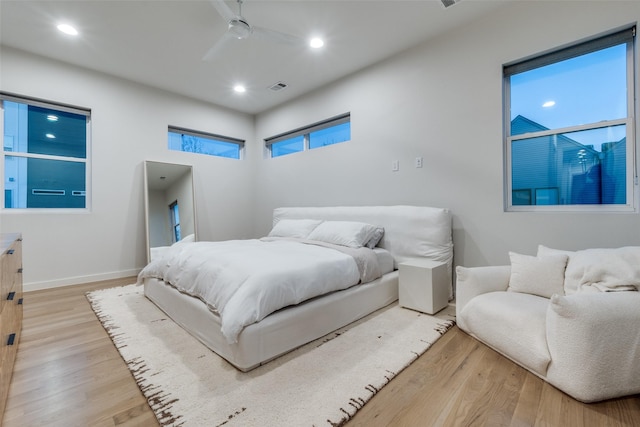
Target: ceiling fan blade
(276,36)
(223,10)
(217,48)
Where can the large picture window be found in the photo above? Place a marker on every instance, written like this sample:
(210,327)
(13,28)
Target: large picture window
(45,152)
(327,132)
(569,128)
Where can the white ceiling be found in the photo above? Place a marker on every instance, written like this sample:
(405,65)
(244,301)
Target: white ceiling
(162,42)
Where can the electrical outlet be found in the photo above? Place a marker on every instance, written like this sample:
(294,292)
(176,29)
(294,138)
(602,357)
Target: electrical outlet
(395,165)
(418,162)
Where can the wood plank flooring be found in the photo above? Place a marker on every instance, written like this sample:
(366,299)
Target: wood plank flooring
(68,373)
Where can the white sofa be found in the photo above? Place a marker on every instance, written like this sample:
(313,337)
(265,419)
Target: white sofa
(555,315)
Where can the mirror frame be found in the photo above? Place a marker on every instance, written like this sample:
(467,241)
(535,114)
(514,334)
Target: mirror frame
(169,174)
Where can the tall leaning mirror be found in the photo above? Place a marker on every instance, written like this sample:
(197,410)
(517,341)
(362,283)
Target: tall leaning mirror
(169,205)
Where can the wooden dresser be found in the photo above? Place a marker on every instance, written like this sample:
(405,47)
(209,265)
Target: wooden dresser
(10,309)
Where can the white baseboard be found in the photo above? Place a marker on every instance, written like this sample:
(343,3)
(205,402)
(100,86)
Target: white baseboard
(36,286)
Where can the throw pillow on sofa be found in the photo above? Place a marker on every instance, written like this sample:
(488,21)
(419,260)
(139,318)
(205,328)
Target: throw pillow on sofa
(542,276)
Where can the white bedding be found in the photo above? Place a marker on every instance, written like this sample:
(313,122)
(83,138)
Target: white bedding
(244,281)
(281,331)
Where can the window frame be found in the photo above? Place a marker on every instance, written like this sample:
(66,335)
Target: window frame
(618,37)
(305,132)
(174,209)
(210,136)
(38,102)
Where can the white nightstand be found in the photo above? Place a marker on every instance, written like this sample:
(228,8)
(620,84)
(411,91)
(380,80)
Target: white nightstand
(423,285)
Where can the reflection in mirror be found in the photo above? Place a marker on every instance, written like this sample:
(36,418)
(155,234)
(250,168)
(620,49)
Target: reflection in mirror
(169,205)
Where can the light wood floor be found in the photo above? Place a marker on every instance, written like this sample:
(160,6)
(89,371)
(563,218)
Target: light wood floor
(68,373)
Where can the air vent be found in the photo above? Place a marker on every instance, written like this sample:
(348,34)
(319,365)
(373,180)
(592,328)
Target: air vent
(278,86)
(449,3)
(47,192)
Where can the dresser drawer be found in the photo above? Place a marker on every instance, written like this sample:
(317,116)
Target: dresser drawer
(10,271)
(10,309)
(6,283)
(10,335)
(11,320)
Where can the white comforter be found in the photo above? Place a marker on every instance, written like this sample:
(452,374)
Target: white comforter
(246,280)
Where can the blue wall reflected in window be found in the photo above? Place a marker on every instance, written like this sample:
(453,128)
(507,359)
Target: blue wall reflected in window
(45,157)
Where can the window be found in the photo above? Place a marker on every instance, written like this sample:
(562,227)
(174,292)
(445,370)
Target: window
(569,138)
(174,217)
(45,152)
(328,132)
(191,141)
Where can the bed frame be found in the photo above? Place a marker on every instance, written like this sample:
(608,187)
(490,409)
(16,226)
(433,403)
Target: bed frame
(410,232)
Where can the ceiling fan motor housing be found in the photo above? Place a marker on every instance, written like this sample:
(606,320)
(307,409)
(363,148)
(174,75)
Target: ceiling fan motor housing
(239,28)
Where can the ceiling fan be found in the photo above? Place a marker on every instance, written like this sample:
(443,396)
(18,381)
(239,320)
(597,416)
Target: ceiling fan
(239,28)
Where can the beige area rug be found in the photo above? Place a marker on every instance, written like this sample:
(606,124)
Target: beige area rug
(323,383)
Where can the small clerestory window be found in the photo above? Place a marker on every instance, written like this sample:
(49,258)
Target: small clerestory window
(191,141)
(327,132)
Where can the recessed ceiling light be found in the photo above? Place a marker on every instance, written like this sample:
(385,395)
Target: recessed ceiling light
(52,118)
(67,29)
(549,104)
(50,136)
(316,43)
(239,88)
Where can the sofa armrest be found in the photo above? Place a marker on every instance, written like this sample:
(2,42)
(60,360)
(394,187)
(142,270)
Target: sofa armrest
(474,281)
(594,342)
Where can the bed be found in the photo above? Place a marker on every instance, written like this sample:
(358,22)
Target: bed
(408,232)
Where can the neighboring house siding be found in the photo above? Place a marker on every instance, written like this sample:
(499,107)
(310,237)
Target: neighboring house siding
(580,174)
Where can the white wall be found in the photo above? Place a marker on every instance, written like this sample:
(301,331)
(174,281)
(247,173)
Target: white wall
(443,101)
(129,125)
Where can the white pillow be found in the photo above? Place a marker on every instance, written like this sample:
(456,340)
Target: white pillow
(573,272)
(542,276)
(190,238)
(375,238)
(345,233)
(297,228)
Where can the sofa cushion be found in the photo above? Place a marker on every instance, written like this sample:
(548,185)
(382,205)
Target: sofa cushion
(512,323)
(542,276)
(599,269)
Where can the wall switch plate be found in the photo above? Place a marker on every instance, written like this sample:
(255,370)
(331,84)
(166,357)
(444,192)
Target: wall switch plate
(395,165)
(418,162)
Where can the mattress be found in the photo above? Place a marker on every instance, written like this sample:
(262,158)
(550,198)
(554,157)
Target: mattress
(281,331)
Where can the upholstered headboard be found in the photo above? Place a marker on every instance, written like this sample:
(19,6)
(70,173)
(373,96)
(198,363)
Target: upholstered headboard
(410,231)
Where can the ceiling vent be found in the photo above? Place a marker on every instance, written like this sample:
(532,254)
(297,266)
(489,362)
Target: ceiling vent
(449,3)
(278,86)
